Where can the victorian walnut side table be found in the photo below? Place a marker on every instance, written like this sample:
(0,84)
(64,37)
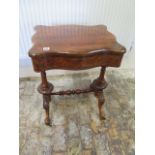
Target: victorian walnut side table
(74,47)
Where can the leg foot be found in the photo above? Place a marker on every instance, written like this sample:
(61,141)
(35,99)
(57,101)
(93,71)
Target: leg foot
(100,97)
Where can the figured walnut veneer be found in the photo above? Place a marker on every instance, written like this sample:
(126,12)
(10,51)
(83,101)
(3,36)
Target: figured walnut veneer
(74,47)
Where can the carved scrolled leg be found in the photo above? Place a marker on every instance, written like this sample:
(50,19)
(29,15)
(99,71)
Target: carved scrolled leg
(45,88)
(100,97)
(46,101)
(98,85)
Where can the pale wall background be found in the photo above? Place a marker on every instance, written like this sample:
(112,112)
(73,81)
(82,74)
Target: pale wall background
(118,15)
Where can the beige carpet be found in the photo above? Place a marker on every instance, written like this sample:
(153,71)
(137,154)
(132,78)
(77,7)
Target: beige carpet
(76,128)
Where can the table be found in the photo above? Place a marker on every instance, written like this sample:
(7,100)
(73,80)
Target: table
(74,47)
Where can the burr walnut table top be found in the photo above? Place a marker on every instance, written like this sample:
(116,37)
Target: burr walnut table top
(54,46)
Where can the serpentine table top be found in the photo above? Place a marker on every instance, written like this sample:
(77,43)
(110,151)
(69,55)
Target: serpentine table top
(76,42)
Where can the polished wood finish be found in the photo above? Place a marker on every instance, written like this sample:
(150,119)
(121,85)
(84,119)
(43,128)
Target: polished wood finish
(74,47)
(74,40)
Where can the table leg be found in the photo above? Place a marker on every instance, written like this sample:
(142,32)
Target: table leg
(101,100)
(45,87)
(46,100)
(98,85)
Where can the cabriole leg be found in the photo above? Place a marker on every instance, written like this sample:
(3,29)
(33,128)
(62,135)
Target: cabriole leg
(101,100)
(46,107)
(98,85)
(45,88)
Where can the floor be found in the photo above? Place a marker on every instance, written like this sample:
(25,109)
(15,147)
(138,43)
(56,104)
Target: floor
(76,128)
